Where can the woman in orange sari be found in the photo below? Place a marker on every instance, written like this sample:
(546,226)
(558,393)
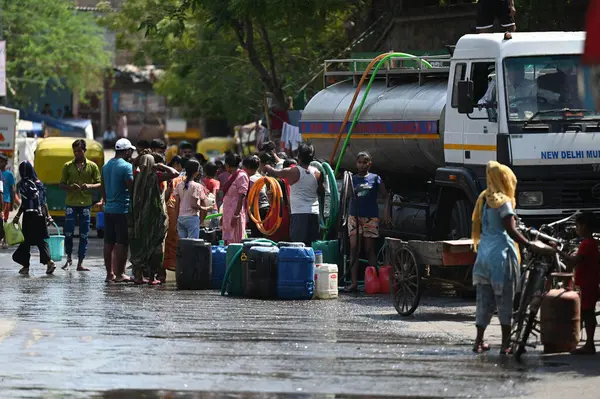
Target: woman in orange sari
(170,260)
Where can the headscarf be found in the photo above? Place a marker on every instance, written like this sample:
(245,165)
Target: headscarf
(147,212)
(501,188)
(30,187)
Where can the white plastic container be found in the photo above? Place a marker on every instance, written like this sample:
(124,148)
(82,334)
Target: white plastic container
(326,281)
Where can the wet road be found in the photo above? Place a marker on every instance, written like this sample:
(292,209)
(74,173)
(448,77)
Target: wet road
(71,335)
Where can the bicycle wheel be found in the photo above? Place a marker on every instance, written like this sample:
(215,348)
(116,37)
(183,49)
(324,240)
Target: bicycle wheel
(528,307)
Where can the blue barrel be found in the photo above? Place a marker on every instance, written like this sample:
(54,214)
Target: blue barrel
(219,265)
(296,273)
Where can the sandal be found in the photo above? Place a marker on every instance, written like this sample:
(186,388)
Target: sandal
(24,270)
(481,347)
(506,351)
(68,264)
(154,282)
(50,269)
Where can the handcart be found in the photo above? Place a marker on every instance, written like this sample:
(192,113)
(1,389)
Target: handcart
(419,264)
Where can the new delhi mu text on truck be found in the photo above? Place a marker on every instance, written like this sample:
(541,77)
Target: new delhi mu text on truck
(433,123)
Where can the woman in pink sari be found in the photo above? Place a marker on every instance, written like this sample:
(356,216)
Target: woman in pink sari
(235,190)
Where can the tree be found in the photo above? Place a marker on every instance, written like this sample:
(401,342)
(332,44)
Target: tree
(49,42)
(227,53)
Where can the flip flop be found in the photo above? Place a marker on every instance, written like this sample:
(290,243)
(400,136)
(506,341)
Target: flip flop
(140,282)
(68,264)
(50,269)
(83,269)
(481,347)
(123,279)
(154,282)
(506,351)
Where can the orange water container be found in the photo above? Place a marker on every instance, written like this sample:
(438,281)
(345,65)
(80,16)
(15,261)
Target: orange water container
(372,284)
(384,278)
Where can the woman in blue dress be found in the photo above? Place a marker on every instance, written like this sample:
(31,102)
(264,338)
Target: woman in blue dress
(496,271)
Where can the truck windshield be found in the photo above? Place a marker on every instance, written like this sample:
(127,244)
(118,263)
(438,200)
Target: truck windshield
(537,86)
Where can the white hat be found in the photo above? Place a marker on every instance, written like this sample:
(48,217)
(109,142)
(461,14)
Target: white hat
(123,145)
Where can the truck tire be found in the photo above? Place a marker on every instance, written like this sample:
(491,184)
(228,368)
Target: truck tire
(460,221)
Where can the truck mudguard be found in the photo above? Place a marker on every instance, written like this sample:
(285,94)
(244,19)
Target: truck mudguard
(459,178)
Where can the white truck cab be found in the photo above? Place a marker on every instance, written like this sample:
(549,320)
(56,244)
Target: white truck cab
(532,117)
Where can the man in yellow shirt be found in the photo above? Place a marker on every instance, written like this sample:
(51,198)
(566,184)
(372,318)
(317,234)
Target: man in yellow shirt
(79,177)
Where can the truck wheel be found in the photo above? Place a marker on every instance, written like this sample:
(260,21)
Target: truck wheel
(460,220)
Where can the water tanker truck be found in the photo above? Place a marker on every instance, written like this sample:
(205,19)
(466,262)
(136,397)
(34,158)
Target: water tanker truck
(433,123)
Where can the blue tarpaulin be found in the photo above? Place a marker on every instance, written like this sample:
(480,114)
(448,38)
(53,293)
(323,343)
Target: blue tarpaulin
(76,126)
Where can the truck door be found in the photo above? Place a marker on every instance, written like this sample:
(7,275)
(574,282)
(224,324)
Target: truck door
(481,127)
(454,122)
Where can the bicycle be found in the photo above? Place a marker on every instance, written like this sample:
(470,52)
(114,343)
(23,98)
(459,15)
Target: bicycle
(535,285)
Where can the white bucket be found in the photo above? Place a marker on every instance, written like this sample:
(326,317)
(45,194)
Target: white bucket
(326,281)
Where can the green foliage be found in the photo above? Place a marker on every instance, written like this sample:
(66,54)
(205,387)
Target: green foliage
(47,41)
(220,56)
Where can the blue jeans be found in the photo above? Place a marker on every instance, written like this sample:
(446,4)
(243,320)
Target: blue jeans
(188,227)
(71,214)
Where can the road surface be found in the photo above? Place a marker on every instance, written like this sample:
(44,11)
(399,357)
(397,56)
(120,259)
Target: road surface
(72,335)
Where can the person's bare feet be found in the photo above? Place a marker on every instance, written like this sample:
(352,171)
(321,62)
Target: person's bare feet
(110,278)
(80,268)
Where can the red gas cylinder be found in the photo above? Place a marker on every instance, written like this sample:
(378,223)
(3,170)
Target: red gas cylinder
(560,321)
(372,285)
(384,278)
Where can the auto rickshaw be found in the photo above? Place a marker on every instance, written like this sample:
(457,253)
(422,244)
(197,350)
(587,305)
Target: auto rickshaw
(213,147)
(50,156)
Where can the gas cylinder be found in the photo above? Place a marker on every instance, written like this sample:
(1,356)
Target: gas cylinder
(372,284)
(384,278)
(560,321)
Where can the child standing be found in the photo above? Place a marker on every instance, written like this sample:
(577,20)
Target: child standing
(212,186)
(251,165)
(190,197)
(586,277)
(363,219)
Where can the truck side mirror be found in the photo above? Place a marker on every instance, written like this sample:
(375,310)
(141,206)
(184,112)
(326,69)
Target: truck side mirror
(465,97)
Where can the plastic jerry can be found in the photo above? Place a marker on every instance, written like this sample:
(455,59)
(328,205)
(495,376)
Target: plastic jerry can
(326,281)
(330,250)
(372,284)
(100,221)
(295,273)
(219,265)
(194,258)
(384,278)
(235,283)
(260,272)
(236,276)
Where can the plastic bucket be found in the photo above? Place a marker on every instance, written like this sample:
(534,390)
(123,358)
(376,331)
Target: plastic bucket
(56,243)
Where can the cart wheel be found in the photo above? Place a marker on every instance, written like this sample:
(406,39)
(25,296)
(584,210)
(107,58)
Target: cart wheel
(406,282)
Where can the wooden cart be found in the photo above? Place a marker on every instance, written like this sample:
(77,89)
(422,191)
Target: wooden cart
(415,264)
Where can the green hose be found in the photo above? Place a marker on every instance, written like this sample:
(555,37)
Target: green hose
(364,99)
(228,271)
(327,223)
(232,262)
(213,216)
